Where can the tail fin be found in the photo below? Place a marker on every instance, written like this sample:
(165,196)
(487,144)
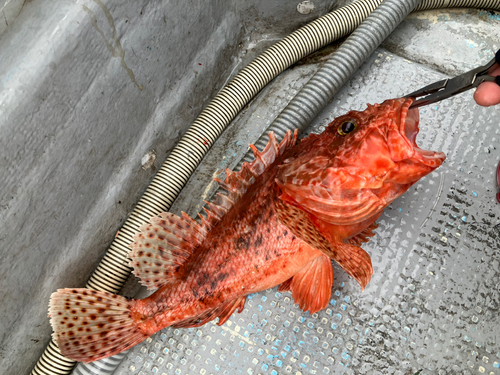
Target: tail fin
(89,325)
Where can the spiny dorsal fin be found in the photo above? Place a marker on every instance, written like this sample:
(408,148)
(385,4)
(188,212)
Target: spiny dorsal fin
(237,183)
(164,245)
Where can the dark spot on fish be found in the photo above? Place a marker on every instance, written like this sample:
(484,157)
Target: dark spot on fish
(161,237)
(99,299)
(205,277)
(267,256)
(150,235)
(101,325)
(71,325)
(91,303)
(243,242)
(293,237)
(101,311)
(268,230)
(222,276)
(285,233)
(195,293)
(213,284)
(93,317)
(141,253)
(258,241)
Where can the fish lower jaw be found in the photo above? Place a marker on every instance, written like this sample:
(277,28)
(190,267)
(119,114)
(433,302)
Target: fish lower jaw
(429,158)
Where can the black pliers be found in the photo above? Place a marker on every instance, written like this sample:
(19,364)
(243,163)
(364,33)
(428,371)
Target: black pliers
(446,88)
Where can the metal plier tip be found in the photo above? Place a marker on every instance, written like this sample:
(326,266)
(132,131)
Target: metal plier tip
(446,88)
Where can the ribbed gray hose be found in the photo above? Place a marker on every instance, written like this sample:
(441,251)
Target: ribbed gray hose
(113,270)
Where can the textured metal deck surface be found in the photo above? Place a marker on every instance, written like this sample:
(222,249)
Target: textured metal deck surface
(433,302)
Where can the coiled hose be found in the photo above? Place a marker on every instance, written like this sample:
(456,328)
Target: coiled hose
(113,270)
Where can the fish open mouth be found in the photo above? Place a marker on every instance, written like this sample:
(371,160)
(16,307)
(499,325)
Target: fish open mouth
(427,157)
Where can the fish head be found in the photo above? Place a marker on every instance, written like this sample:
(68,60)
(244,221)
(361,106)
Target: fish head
(358,165)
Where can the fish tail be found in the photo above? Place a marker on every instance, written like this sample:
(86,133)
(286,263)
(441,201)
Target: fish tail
(89,325)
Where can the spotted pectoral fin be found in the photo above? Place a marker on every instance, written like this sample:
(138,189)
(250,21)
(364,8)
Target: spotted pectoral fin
(353,259)
(364,236)
(312,286)
(223,312)
(349,255)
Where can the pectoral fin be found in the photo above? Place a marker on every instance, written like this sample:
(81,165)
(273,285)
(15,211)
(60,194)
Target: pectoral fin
(353,259)
(312,286)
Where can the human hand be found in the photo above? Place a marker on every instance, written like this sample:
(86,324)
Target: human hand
(488,93)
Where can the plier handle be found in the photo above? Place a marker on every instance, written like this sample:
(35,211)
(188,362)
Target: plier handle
(446,88)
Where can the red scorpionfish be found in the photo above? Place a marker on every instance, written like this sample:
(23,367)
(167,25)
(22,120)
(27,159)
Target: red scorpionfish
(286,214)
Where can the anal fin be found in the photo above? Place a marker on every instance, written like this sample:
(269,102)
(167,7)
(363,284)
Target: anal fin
(223,312)
(312,286)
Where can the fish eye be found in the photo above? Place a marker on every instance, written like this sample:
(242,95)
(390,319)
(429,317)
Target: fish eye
(347,127)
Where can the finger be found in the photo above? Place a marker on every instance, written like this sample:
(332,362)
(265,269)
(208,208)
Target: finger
(488,93)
